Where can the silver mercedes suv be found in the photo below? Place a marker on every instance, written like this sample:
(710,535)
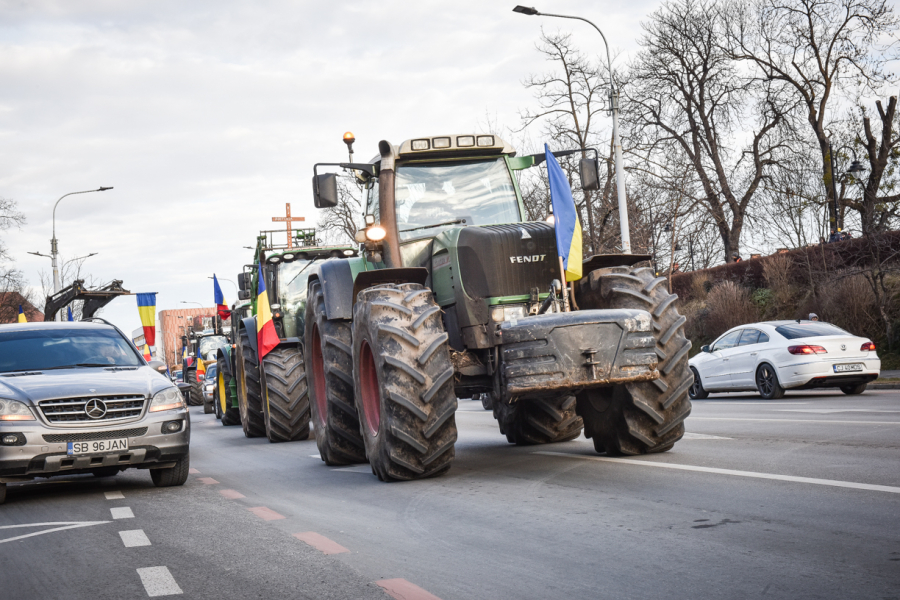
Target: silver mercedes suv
(77,397)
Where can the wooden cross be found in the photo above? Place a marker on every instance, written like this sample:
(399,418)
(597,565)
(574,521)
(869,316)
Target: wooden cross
(288,219)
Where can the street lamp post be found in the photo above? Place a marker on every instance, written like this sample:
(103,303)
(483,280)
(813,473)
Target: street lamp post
(617,143)
(855,167)
(53,242)
(229,281)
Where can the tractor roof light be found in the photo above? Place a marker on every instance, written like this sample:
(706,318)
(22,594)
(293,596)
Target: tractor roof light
(465,141)
(440,143)
(376,233)
(348,138)
(485,140)
(421,145)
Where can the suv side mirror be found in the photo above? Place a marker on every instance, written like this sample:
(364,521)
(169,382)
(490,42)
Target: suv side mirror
(589,171)
(704,349)
(325,192)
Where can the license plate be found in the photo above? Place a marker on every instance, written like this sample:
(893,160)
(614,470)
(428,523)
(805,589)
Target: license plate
(846,368)
(98,446)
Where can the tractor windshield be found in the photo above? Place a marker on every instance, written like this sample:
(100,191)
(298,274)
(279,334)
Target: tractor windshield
(210,344)
(481,192)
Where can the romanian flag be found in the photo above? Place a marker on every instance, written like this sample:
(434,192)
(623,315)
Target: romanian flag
(201,369)
(147,355)
(22,318)
(566,223)
(224,313)
(265,327)
(185,359)
(147,309)
(69,313)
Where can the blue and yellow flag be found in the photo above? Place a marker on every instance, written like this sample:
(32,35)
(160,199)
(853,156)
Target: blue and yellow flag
(22,318)
(69,313)
(566,222)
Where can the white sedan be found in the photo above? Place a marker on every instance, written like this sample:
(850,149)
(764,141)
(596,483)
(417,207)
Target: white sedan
(775,356)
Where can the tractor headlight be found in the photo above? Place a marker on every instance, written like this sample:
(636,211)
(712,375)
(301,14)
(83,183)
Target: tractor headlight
(13,410)
(507,313)
(166,399)
(376,233)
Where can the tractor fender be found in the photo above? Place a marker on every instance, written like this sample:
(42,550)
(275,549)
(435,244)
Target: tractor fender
(336,280)
(367,279)
(250,323)
(226,361)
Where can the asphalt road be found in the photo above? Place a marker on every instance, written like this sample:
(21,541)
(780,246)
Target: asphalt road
(795,498)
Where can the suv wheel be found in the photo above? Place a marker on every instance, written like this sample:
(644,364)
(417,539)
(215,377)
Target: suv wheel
(173,476)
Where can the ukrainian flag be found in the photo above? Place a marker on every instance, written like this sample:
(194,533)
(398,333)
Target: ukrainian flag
(265,327)
(22,318)
(566,222)
(147,310)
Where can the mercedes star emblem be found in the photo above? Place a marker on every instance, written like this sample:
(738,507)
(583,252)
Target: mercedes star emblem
(95,408)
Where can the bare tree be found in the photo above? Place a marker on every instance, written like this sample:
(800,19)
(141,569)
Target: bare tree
(13,287)
(814,49)
(339,224)
(688,96)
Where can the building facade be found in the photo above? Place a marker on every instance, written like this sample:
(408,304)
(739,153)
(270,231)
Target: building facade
(172,324)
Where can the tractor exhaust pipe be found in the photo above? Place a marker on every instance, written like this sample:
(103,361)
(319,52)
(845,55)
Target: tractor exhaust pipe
(388,216)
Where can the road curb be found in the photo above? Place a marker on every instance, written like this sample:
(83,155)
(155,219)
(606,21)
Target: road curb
(884,386)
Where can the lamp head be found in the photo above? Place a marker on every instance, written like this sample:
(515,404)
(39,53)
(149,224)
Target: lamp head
(856,167)
(526,11)
(103,189)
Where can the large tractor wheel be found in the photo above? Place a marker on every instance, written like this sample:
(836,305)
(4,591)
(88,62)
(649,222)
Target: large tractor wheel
(231,414)
(329,368)
(195,398)
(539,420)
(248,388)
(403,379)
(217,404)
(644,417)
(286,405)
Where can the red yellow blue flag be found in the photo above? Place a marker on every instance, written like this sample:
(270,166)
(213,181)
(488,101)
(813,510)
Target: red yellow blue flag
(566,222)
(146,352)
(265,327)
(147,310)
(201,369)
(222,308)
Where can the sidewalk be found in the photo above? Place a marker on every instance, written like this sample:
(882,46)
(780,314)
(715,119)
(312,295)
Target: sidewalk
(880,384)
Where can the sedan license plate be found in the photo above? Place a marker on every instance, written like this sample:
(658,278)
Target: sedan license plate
(97,446)
(846,368)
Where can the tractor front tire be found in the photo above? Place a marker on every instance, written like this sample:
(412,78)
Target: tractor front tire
(648,416)
(286,405)
(329,368)
(538,420)
(249,391)
(403,380)
(195,398)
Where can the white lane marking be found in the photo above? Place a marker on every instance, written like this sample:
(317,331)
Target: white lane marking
(134,538)
(315,456)
(812,480)
(158,581)
(114,496)
(829,411)
(835,422)
(121,512)
(739,403)
(356,469)
(59,527)
(702,436)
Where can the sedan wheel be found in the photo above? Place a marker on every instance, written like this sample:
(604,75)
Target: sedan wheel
(767,383)
(696,390)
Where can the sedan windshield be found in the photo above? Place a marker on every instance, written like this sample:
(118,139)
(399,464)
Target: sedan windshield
(803,330)
(39,349)
(481,192)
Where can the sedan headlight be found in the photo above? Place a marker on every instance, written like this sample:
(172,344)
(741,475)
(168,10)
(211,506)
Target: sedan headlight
(166,399)
(13,410)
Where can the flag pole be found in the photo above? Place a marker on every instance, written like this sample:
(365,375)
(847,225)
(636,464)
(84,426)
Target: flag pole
(564,292)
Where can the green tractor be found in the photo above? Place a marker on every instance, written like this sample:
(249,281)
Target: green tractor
(203,344)
(456,294)
(225,392)
(272,394)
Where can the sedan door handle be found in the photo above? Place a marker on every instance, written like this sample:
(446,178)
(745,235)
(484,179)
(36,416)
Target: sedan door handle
(753,354)
(724,360)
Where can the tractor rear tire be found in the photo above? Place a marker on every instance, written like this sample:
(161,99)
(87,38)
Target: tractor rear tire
(403,379)
(249,392)
(286,405)
(329,368)
(648,416)
(538,420)
(195,397)
(225,404)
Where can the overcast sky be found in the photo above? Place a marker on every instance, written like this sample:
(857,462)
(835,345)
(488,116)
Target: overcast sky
(208,116)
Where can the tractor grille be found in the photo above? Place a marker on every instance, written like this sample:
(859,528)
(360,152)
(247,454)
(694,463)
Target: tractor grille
(91,436)
(507,260)
(72,410)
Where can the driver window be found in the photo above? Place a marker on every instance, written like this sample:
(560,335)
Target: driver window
(729,340)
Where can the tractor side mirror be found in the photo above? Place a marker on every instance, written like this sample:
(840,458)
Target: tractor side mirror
(243,280)
(325,192)
(704,349)
(243,294)
(589,171)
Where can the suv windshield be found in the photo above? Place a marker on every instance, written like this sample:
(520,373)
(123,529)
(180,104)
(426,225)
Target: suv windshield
(39,349)
(211,344)
(481,192)
(803,330)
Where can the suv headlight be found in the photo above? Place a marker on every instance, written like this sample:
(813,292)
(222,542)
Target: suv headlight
(166,399)
(13,410)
